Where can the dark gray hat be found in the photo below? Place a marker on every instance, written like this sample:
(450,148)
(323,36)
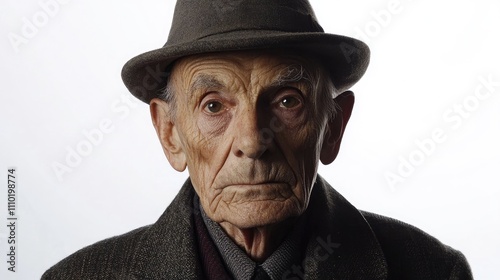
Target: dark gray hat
(205,26)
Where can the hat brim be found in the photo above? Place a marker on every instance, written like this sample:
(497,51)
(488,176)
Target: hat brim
(346,58)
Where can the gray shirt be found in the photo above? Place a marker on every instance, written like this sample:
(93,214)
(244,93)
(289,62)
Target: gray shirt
(241,266)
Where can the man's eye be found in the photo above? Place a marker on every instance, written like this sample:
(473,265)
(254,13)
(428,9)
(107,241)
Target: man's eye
(289,102)
(214,107)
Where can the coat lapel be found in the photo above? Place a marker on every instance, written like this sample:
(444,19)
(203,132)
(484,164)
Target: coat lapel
(341,244)
(168,250)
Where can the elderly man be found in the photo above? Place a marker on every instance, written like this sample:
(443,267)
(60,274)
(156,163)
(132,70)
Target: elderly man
(249,96)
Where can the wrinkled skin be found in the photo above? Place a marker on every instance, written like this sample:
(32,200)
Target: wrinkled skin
(251,141)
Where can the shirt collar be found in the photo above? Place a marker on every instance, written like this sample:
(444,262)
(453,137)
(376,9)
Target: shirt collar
(241,266)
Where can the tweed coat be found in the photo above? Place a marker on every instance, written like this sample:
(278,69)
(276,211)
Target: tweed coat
(341,243)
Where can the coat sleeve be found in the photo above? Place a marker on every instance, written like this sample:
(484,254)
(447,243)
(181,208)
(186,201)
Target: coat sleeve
(111,258)
(412,254)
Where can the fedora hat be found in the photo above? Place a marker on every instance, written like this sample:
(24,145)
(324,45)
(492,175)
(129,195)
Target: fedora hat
(207,26)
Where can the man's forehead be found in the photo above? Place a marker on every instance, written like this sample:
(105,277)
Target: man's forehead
(209,70)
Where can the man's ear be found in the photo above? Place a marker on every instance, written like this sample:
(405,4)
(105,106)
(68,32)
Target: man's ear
(167,133)
(336,127)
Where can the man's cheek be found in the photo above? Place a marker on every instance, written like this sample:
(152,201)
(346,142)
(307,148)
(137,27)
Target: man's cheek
(199,147)
(292,141)
(213,126)
(290,120)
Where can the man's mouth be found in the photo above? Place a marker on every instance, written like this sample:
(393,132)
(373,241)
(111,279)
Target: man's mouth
(268,184)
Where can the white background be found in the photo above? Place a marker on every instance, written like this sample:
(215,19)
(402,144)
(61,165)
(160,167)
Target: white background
(65,79)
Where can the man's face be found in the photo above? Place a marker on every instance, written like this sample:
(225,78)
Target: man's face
(248,127)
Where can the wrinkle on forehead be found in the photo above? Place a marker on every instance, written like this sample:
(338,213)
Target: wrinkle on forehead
(254,69)
(204,81)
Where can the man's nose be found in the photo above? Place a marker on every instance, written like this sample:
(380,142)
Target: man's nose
(250,138)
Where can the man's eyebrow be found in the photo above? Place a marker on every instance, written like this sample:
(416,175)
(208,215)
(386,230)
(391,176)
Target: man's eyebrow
(292,74)
(204,81)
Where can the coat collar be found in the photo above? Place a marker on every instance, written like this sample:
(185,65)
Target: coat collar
(340,242)
(168,249)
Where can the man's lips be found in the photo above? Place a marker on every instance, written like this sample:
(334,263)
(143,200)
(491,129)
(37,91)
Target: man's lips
(259,184)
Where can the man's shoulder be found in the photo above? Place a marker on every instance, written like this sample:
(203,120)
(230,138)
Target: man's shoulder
(111,258)
(164,248)
(410,250)
(395,235)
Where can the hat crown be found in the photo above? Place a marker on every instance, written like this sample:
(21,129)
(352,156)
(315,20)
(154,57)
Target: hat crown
(199,19)
(208,26)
